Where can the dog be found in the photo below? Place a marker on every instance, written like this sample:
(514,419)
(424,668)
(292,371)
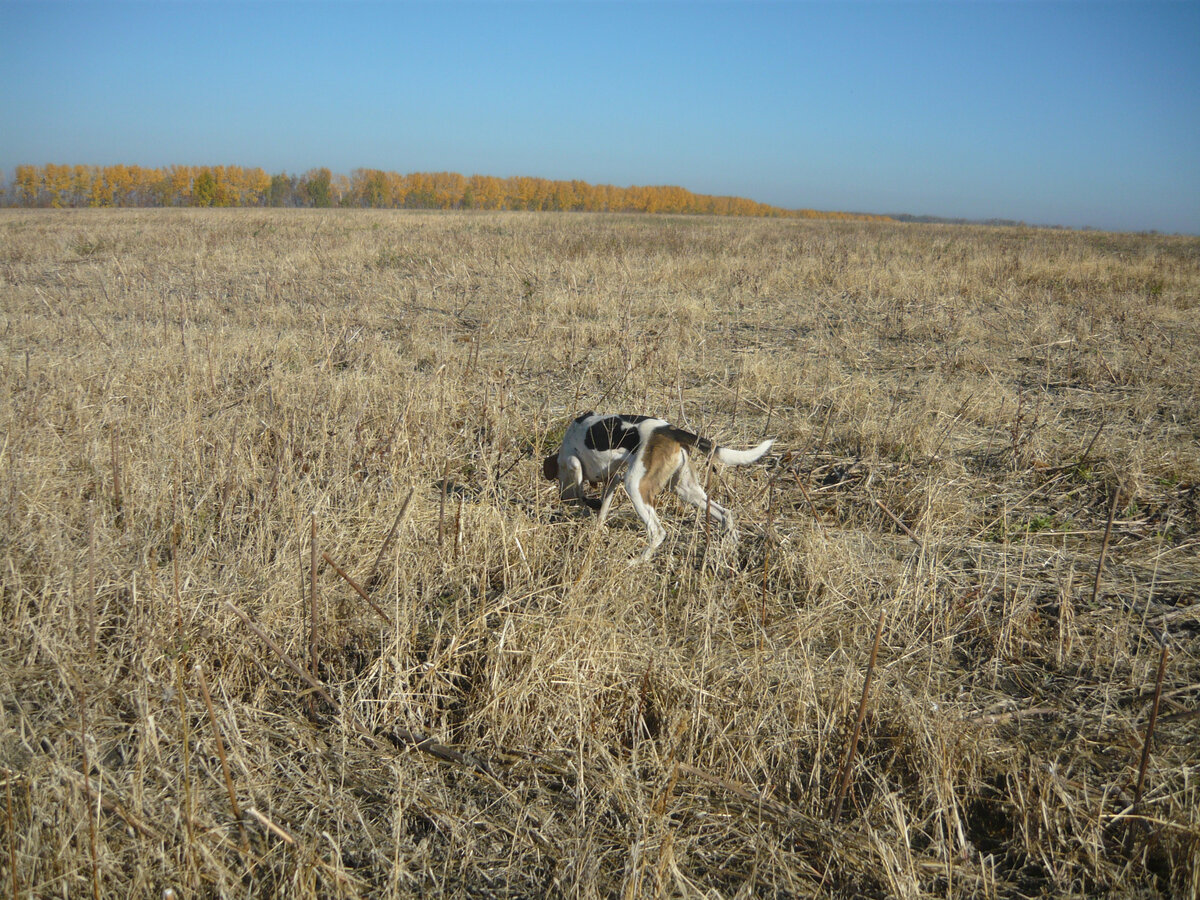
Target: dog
(653,454)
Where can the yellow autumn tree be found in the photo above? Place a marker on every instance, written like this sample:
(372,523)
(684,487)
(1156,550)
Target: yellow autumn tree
(483,192)
(26,183)
(230,185)
(57,182)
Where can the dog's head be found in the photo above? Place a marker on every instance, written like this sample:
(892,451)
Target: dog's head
(550,468)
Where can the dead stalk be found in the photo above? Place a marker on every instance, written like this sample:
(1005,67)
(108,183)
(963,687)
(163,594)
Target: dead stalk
(81,698)
(1158,682)
(92,580)
(278,651)
(401,517)
(212,718)
(900,524)
(312,596)
(458,527)
(1088,449)
(354,584)
(1016,425)
(271,826)
(118,497)
(824,429)
(185,733)
(847,766)
(227,488)
(1112,512)
(762,619)
(212,380)
(12,846)
(953,421)
(178,604)
(442,503)
(273,486)
(808,499)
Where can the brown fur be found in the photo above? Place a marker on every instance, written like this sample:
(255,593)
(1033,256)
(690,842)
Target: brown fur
(661,460)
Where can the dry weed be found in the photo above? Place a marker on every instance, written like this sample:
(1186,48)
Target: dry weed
(183,393)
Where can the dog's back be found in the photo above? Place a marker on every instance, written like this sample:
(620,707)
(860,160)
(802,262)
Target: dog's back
(604,443)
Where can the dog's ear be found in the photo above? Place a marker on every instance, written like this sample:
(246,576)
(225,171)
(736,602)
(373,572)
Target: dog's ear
(550,468)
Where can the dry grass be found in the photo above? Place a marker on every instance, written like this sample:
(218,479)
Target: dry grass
(182,392)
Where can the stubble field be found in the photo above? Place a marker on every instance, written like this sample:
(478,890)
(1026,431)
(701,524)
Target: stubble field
(988,441)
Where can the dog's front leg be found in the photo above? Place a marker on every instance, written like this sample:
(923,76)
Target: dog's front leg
(610,488)
(570,484)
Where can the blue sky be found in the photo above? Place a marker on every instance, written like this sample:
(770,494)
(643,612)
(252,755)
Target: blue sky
(1074,113)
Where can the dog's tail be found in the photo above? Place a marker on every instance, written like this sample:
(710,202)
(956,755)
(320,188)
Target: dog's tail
(720,454)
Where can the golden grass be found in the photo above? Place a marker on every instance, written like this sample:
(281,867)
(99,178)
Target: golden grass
(183,392)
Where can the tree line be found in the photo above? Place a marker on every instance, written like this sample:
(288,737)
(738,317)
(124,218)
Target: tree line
(63,186)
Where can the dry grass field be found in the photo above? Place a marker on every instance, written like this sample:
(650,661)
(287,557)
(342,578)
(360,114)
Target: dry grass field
(988,439)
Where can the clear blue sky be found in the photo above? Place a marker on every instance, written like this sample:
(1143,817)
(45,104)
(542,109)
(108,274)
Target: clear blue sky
(1074,113)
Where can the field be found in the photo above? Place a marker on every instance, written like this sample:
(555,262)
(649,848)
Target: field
(988,441)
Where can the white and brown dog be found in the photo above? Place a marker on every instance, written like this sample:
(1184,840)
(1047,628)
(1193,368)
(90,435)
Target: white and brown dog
(653,454)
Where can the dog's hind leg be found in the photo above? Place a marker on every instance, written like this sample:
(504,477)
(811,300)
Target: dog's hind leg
(652,469)
(688,489)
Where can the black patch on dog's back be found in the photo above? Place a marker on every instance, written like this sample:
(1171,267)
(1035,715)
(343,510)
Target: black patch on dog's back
(704,445)
(614,432)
